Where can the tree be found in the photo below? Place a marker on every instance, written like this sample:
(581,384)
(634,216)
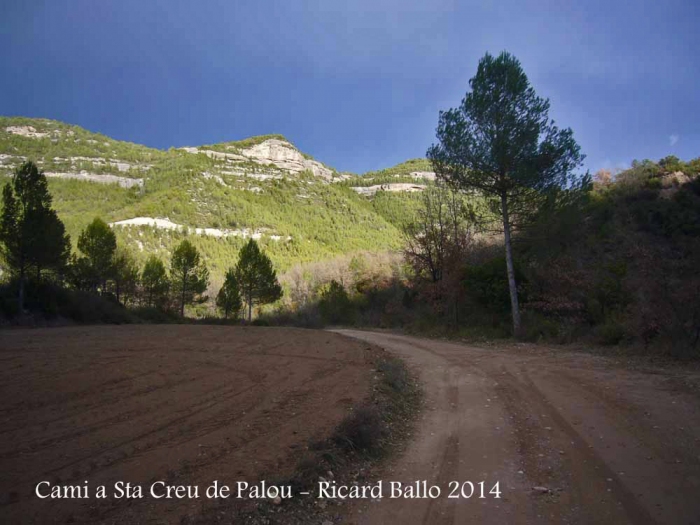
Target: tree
(256,277)
(334,304)
(125,276)
(31,234)
(98,243)
(189,275)
(154,280)
(501,142)
(51,252)
(437,243)
(439,234)
(229,297)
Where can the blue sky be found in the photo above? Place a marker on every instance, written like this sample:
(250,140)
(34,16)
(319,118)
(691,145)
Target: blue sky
(356,84)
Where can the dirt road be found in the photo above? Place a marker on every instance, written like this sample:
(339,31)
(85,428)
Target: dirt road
(184,405)
(571,438)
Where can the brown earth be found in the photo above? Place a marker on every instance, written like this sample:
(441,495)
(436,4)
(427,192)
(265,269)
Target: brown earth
(570,437)
(184,404)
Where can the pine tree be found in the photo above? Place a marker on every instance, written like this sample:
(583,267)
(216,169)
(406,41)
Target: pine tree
(189,275)
(31,234)
(500,142)
(154,280)
(256,277)
(51,252)
(98,243)
(229,297)
(125,276)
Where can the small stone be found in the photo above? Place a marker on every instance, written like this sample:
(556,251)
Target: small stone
(277,500)
(542,490)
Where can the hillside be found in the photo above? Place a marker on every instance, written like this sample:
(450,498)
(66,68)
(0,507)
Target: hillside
(263,187)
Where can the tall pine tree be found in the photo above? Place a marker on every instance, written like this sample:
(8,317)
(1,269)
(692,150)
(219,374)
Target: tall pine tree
(501,143)
(155,282)
(256,277)
(32,237)
(99,244)
(188,274)
(229,298)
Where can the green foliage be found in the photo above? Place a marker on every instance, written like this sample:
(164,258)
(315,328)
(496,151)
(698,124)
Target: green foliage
(51,252)
(309,219)
(501,142)
(98,244)
(334,304)
(49,300)
(125,276)
(244,143)
(487,283)
(398,209)
(32,237)
(256,277)
(229,297)
(188,274)
(155,282)
(640,174)
(399,173)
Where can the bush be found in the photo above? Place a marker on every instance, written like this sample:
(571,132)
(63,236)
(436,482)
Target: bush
(334,304)
(47,300)
(395,374)
(151,314)
(609,333)
(487,283)
(362,431)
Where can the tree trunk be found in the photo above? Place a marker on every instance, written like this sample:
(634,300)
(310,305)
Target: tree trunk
(250,308)
(182,302)
(514,307)
(20,298)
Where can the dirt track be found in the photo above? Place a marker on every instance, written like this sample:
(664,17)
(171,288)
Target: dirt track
(185,404)
(609,444)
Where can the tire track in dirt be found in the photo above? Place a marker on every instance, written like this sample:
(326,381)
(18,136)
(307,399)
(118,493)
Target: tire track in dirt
(529,418)
(582,461)
(159,428)
(209,403)
(99,425)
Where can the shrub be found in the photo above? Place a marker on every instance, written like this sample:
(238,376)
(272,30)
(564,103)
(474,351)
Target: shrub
(611,332)
(151,314)
(362,431)
(487,283)
(334,304)
(395,374)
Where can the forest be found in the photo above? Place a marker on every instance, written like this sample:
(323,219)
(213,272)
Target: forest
(102,282)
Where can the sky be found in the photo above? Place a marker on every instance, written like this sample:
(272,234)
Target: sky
(357,84)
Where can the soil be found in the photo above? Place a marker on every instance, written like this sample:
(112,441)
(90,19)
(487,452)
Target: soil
(182,404)
(570,438)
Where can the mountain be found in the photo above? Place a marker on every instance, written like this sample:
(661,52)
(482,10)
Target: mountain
(262,187)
